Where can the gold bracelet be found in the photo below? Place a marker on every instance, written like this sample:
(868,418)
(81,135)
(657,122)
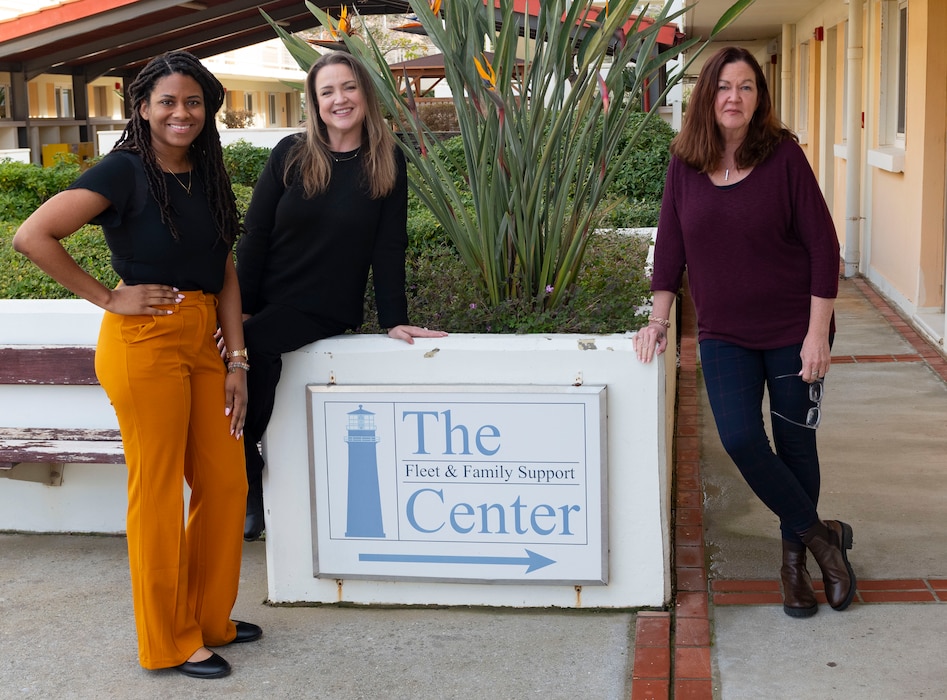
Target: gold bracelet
(662,321)
(238,353)
(234,366)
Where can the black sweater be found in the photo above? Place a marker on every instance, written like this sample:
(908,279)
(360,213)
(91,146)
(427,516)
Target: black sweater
(314,254)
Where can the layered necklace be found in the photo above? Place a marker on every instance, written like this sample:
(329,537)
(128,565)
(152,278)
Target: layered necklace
(338,159)
(190,176)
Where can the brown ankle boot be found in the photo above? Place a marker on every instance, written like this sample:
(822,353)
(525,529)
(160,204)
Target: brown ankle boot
(829,541)
(798,596)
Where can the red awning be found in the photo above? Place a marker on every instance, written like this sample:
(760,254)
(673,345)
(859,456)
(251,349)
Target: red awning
(669,35)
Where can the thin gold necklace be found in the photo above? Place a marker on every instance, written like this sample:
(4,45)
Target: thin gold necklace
(190,181)
(351,157)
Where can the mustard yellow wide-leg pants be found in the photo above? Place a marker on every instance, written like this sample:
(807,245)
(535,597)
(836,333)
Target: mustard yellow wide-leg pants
(165,379)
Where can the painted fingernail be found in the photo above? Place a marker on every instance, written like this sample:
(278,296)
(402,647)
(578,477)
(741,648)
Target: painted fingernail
(227,411)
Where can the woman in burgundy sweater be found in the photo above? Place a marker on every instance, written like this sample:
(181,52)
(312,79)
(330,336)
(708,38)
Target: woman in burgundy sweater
(743,213)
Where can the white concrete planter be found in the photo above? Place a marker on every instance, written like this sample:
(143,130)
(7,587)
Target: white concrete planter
(639,405)
(640,402)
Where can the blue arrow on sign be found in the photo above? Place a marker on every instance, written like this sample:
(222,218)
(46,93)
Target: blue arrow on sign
(533,560)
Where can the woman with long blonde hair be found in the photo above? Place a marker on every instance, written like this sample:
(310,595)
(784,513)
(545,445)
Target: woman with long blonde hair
(330,205)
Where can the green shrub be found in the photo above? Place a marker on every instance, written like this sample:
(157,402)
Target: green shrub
(24,186)
(631,213)
(424,231)
(441,294)
(244,162)
(612,287)
(641,177)
(242,193)
(21,279)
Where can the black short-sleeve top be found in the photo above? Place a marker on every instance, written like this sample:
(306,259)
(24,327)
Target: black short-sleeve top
(143,249)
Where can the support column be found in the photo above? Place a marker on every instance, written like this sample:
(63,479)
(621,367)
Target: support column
(785,83)
(80,103)
(20,107)
(853,139)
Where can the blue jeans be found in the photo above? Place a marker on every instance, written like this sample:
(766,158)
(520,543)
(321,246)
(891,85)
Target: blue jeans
(787,480)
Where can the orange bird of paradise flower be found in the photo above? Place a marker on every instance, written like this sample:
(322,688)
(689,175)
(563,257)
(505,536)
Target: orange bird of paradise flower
(345,26)
(486,72)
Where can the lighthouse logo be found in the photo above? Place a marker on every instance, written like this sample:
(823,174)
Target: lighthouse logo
(364,498)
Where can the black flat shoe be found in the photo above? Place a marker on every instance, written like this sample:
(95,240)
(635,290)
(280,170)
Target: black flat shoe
(212,667)
(247,632)
(253,527)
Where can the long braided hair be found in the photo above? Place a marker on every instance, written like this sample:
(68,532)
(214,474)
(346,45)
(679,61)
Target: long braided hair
(205,153)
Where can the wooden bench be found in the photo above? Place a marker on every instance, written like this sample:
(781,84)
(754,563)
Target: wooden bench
(52,447)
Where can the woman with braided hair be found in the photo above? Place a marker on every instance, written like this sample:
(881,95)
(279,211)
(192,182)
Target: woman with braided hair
(165,204)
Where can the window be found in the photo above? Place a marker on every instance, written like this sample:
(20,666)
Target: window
(5,102)
(100,101)
(271,104)
(64,103)
(902,64)
(894,28)
(892,108)
(248,102)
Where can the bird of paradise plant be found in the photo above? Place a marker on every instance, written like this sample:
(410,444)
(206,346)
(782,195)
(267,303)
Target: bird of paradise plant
(542,135)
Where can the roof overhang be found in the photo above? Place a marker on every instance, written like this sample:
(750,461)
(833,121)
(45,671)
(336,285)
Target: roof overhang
(92,38)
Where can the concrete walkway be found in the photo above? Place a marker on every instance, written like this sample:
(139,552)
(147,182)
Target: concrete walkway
(66,627)
(67,631)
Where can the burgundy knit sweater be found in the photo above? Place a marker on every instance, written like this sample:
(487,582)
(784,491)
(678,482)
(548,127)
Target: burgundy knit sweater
(755,252)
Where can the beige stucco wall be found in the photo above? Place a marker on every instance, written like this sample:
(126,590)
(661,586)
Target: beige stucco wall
(902,215)
(907,209)
(894,242)
(933,153)
(814,134)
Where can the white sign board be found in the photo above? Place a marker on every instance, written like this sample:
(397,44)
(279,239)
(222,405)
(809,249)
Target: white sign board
(500,484)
